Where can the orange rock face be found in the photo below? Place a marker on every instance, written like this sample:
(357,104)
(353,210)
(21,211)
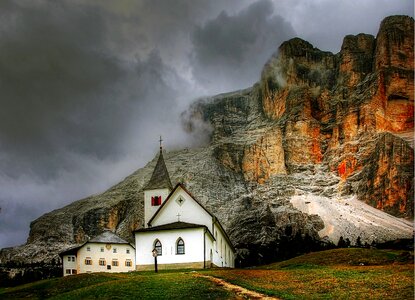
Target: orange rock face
(264,158)
(388,182)
(332,108)
(274,103)
(316,108)
(394,61)
(355,58)
(303,143)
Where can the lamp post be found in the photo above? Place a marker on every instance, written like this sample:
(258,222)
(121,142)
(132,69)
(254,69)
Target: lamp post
(155,259)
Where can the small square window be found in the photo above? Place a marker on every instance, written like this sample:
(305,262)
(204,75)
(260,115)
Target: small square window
(88,248)
(73,258)
(114,250)
(102,249)
(156,201)
(69,258)
(68,271)
(128,251)
(108,267)
(73,271)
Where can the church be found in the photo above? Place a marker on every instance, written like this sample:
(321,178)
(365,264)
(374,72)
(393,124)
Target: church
(183,233)
(178,229)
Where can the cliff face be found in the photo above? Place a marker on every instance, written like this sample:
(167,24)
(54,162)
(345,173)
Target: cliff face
(294,159)
(333,109)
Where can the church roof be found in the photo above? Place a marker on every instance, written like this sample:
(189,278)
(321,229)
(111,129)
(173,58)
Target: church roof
(160,177)
(171,226)
(174,225)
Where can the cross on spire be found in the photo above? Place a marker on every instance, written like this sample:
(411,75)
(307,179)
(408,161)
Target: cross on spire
(161,140)
(178,217)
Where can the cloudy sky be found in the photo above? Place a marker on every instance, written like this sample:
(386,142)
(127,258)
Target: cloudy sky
(87,86)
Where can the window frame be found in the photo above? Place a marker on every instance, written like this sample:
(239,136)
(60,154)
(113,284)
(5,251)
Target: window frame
(115,263)
(88,261)
(181,245)
(159,248)
(155,200)
(102,262)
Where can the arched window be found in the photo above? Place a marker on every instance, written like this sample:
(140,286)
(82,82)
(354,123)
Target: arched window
(180,246)
(158,247)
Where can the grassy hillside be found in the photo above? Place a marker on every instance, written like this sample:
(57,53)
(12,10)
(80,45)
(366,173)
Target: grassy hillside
(333,274)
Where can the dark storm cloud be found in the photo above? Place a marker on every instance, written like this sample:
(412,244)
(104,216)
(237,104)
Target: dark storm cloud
(230,50)
(75,116)
(62,90)
(53,75)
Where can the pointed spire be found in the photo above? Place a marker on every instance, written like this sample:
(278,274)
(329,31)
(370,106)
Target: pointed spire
(160,178)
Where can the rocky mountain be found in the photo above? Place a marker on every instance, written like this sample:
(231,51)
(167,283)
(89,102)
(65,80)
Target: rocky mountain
(320,149)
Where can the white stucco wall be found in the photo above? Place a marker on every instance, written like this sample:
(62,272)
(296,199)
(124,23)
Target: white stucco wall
(193,239)
(190,211)
(70,264)
(149,210)
(223,255)
(108,255)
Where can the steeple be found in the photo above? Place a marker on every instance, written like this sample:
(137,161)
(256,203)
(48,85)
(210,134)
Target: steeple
(157,189)
(160,178)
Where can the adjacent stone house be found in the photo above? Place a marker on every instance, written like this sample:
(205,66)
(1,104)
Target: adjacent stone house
(106,252)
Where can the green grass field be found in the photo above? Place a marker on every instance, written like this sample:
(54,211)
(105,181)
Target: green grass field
(333,274)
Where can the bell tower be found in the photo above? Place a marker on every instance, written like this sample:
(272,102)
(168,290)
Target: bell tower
(157,189)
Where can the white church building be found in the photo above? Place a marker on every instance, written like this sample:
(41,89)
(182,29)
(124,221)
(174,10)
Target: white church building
(182,231)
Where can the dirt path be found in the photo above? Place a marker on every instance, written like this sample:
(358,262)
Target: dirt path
(238,290)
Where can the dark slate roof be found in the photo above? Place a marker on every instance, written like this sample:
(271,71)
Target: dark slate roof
(71,251)
(171,226)
(108,237)
(160,177)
